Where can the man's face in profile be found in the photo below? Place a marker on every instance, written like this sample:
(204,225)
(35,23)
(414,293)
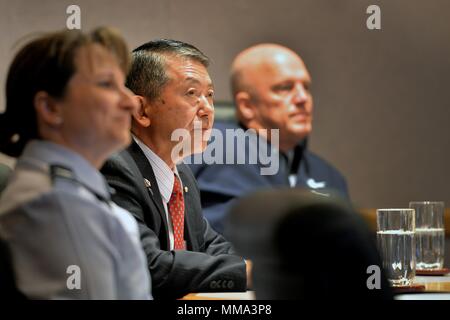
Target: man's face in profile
(185,103)
(282,96)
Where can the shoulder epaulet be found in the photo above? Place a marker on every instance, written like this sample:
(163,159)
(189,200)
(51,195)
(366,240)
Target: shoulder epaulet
(59,171)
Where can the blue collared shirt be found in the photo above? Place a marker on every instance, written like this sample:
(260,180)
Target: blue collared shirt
(67,239)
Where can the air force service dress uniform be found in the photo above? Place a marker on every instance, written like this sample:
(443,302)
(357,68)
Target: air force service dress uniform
(222,184)
(67,239)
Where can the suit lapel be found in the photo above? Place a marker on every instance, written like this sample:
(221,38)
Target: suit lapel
(151,185)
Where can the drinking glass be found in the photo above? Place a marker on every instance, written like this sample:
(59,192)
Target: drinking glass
(430,234)
(396,242)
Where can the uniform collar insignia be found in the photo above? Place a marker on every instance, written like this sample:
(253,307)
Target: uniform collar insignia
(315,184)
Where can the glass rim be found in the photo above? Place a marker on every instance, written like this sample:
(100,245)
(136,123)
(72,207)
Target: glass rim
(396,209)
(426,202)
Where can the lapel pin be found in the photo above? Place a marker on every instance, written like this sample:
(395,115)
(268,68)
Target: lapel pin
(186,189)
(148,185)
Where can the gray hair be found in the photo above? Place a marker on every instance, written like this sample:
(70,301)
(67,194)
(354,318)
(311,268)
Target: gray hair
(147,74)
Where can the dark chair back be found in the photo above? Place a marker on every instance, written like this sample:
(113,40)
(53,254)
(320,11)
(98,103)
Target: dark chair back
(8,288)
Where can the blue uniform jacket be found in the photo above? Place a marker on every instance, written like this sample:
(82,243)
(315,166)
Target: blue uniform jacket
(220,184)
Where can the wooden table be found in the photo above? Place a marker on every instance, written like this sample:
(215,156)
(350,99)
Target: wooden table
(433,284)
(436,288)
(249,295)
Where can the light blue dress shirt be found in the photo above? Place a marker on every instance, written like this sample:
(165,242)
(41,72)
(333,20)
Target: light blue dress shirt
(67,239)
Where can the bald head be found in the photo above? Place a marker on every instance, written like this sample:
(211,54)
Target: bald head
(255,60)
(271,91)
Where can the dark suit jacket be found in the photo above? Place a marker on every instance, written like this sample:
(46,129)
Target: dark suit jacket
(221,184)
(208,264)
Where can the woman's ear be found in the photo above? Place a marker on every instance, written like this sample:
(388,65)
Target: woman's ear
(141,115)
(47,109)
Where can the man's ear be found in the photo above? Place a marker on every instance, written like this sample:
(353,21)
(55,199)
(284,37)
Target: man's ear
(244,106)
(141,115)
(47,109)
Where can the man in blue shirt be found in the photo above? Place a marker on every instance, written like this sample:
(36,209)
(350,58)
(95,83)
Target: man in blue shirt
(271,91)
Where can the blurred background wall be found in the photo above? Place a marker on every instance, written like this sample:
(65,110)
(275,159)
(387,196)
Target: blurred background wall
(382,97)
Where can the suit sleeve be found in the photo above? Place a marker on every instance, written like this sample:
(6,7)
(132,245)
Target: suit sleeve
(174,273)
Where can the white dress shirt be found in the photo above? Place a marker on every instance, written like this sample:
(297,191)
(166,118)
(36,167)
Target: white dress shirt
(165,180)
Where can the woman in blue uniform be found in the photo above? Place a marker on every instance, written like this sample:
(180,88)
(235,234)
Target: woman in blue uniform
(67,110)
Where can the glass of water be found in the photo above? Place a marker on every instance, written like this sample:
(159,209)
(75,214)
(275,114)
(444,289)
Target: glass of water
(430,234)
(396,243)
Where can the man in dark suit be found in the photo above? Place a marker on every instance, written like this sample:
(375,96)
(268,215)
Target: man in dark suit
(175,94)
(271,91)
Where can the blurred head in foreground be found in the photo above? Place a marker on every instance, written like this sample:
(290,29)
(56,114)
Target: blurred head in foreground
(304,245)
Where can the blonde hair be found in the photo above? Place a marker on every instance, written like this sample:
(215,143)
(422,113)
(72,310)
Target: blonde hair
(47,64)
